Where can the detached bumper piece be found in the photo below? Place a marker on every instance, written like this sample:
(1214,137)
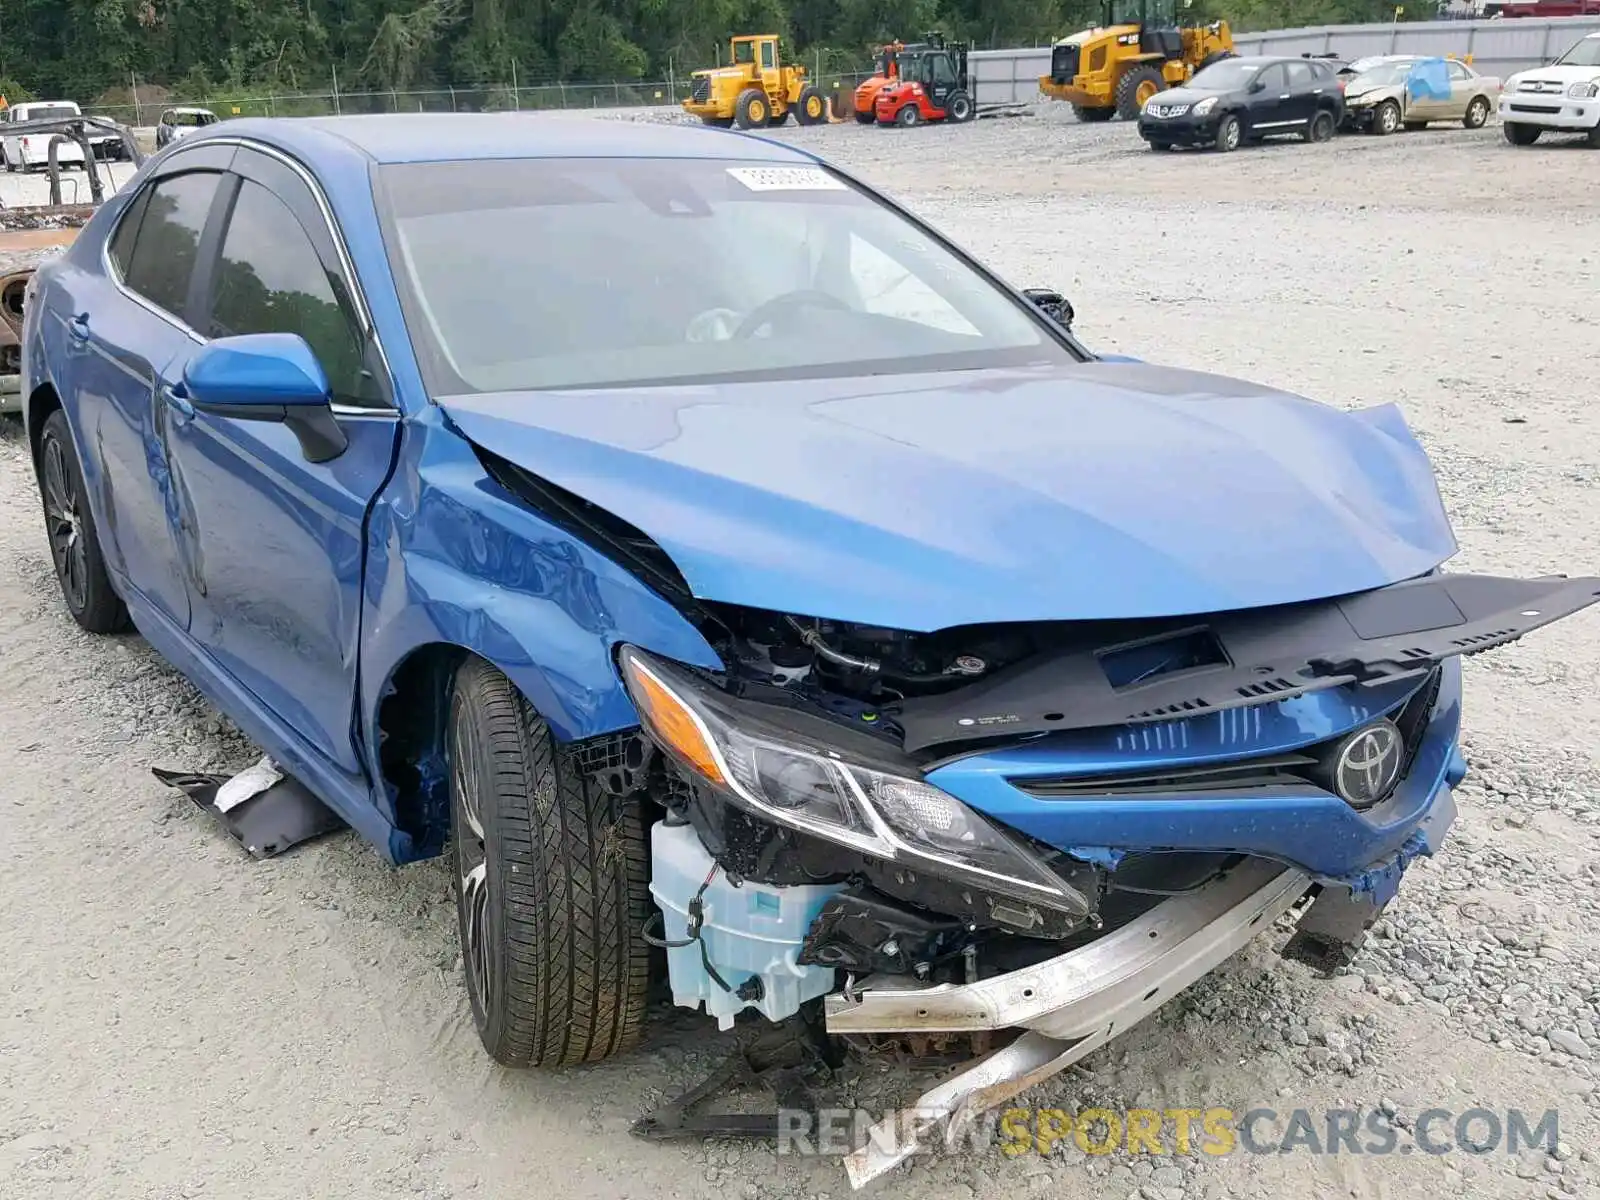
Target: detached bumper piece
(1070,1005)
(1230,660)
(268,812)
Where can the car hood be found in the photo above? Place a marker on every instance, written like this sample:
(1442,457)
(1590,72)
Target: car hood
(1184,95)
(1565,76)
(1094,491)
(1374,91)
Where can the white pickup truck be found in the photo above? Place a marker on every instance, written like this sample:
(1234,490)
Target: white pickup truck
(1563,97)
(31,151)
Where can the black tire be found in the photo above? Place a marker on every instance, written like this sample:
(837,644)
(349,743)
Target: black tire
(1416,126)
(1593,138)
(1161,145)
(1477,113)
(74,542)
(551,882)
(958,107)
(718,122)
(1385,118)
(752,110)
(1229,133)
(1128,103)
(1519,134)
(870,117)
(1322,127)
(1092,116)
(908,115)
(811,108)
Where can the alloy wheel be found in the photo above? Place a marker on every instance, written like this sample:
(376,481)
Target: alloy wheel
(472,865)
(67,545)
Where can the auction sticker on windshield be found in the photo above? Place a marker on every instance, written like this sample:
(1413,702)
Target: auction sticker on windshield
(786,179)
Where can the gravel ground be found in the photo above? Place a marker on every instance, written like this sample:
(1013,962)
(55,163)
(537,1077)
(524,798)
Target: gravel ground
(180,1022)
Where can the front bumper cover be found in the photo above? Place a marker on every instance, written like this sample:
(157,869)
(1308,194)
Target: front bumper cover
(1180,131)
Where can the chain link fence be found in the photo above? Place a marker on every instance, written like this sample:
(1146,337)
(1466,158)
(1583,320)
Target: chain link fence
(665,93)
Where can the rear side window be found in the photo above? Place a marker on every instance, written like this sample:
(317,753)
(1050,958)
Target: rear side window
(1301,75)
(271,280)
(170,220)
(127,232)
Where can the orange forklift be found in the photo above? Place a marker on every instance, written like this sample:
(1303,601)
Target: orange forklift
(932,85)
(886,70)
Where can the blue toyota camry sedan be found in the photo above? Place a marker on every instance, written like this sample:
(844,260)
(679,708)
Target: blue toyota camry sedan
(708,555)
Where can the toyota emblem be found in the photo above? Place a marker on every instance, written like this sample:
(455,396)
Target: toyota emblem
(1368,764)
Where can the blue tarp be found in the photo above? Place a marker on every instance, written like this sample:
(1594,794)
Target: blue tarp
(1429,80)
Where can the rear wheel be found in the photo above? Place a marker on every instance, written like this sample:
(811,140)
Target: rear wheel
(811,108)
(1386,119)
(1519,134)
(908,115)
(870,117)
(551,886)
(1228,133)
(1093,115)
(1477,113)
(1321,128)
(74,542)
(959,107)
(752,110)
(1136,87)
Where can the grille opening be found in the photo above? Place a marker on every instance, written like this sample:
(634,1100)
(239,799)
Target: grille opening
(1139,662)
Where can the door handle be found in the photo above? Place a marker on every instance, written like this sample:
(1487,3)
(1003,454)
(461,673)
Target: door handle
(1285,96)
(178,401)
(78,326)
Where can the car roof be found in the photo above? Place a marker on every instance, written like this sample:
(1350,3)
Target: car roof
(446,137)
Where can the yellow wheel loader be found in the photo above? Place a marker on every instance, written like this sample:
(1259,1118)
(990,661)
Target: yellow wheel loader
(1112,69)
(755,89)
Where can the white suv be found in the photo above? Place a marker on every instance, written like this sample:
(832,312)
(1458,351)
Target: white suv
(1565,97)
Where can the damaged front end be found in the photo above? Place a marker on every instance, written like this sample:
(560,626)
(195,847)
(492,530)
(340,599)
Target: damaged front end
(1048,828)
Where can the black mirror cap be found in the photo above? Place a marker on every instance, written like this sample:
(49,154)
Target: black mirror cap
(1052,304)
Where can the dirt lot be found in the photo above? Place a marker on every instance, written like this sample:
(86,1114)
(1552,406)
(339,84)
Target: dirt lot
(180,1022)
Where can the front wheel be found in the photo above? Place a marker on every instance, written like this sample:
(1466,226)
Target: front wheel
(1387,119)
(1519,134)
(1477,113)
(74,542)
(959,107)
(811,108)
(551,886)
(1228,133)
(1321,128)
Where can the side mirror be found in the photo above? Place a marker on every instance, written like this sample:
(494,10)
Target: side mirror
(1257,86)
(267,377)
(1052,304)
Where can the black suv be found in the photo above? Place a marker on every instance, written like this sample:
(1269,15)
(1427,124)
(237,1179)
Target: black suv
(1246,99)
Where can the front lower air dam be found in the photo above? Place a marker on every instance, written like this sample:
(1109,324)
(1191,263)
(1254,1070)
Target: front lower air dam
(1068,1006)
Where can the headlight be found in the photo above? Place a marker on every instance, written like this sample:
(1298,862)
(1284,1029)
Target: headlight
(1584,91)
(783,777)
(1204,106)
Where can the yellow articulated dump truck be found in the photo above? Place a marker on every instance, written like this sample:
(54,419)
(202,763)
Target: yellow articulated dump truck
(755,90)
(1112,69)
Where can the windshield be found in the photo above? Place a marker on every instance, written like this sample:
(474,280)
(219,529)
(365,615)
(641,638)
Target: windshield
(1383,75)
(744,52)
(49,112)
(1226,76)
(565,273)
(1585,54)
